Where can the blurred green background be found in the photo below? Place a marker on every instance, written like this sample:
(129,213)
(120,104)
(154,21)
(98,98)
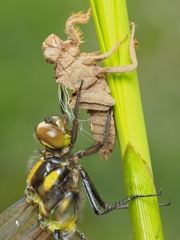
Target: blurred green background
(28,93)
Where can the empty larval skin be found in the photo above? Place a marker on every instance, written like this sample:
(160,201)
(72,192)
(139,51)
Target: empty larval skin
(71,68)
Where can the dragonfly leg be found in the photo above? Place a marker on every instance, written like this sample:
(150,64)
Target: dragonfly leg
(94,148)
(75,121)
(94,196)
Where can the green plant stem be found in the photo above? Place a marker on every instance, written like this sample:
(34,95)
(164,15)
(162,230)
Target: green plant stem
(112,24)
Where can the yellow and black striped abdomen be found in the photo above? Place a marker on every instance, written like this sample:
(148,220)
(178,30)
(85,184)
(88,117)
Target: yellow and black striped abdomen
(58,209)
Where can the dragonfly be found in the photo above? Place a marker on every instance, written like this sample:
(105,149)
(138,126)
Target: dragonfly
(50,208)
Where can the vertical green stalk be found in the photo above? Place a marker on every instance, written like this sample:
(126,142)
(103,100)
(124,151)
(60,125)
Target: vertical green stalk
(112,24)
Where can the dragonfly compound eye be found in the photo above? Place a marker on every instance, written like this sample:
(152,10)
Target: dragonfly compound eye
(51,136)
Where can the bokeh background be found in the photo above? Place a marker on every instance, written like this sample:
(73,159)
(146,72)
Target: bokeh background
(28,93)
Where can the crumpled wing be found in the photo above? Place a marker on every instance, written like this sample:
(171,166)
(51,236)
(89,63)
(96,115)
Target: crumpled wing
(36,233)
(17,219)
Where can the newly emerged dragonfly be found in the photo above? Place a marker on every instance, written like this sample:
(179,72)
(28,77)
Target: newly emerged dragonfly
(53,197)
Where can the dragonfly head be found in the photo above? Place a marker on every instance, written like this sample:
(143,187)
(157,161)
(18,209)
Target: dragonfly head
(54,132)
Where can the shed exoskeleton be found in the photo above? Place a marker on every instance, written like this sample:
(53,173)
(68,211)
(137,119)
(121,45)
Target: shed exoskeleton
(71,67)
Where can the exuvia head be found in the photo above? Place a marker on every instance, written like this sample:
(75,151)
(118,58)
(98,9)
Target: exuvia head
(53,47)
